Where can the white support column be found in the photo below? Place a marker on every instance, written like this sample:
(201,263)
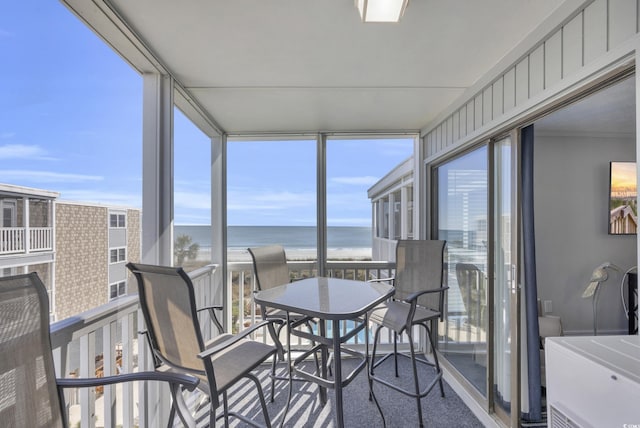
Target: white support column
(219,225)
(157,169)
(421,194)
(27,232)
(404,210)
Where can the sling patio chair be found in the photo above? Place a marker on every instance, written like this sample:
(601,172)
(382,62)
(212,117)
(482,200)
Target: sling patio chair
(271,270)
(168,305)
(30,394)
(418,300)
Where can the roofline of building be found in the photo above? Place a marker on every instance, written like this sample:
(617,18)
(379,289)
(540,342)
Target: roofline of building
(27,191)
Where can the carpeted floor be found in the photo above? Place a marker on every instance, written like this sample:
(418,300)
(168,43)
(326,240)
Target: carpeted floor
(399,410)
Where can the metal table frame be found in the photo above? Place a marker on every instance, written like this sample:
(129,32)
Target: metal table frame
(334,300)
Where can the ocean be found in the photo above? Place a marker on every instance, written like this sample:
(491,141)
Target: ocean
(290,237)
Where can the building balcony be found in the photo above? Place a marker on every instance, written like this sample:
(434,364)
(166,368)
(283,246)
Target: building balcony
(23,240)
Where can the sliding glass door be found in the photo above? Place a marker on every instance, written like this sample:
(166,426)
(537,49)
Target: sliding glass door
(476,207)
(463,191)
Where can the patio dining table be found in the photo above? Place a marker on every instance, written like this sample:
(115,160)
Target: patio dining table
(328,300)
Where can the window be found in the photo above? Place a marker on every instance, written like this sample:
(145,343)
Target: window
(117,220)
(117,289)
(118,255)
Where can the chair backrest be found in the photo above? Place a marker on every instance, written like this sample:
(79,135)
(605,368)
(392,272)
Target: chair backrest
(167,301)
(472,288)
(420,266)
(29,395)
(270,266)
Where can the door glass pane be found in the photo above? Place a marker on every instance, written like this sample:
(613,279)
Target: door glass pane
(462,222)
(503,261)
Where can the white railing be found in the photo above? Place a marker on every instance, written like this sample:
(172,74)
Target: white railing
(40,239)
(105,341)
(12,239)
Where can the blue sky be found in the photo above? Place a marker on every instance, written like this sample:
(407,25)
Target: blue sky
(71,122)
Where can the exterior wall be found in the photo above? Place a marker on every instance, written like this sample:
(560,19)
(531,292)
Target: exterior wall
(82,255)
(81,268)
(567,53)
(134,244)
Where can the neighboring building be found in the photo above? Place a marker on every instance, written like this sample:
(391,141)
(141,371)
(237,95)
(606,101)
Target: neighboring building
(392,210)
(79,250)
(27,232)
(93,245)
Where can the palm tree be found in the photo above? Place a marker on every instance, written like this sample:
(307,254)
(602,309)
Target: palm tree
(184,249)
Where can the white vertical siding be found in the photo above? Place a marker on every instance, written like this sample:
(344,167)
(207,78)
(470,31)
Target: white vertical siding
(456,125)
(622,21)
(553,60)
(585,36)
(470,117)
(487,105)
(536,71)
(463,121)
(522,81)
(498,97)
(595,30)
(572,46)
(477,112)
(509,89)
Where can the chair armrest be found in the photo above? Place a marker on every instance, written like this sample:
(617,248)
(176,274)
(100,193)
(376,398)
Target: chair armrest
(236,338)
(189,382)
(390,279)
(412,297)
(213,316)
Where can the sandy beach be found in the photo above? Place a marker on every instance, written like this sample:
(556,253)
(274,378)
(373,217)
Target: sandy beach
(242,255)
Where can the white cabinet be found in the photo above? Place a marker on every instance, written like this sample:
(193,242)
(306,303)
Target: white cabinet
(593,382)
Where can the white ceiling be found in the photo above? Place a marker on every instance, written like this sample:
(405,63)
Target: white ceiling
(311,65)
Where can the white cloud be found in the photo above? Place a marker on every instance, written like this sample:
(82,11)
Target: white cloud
(244,199)
(192,200)
(9,176)
(364,180)
(21,151)
(101,197)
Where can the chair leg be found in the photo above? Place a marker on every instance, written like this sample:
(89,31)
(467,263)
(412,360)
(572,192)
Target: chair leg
(225,403)
(435,359)
(395,351)
(376,336)
(415,377)
(273,378)
(315,355)
(181,407)
(263,403)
